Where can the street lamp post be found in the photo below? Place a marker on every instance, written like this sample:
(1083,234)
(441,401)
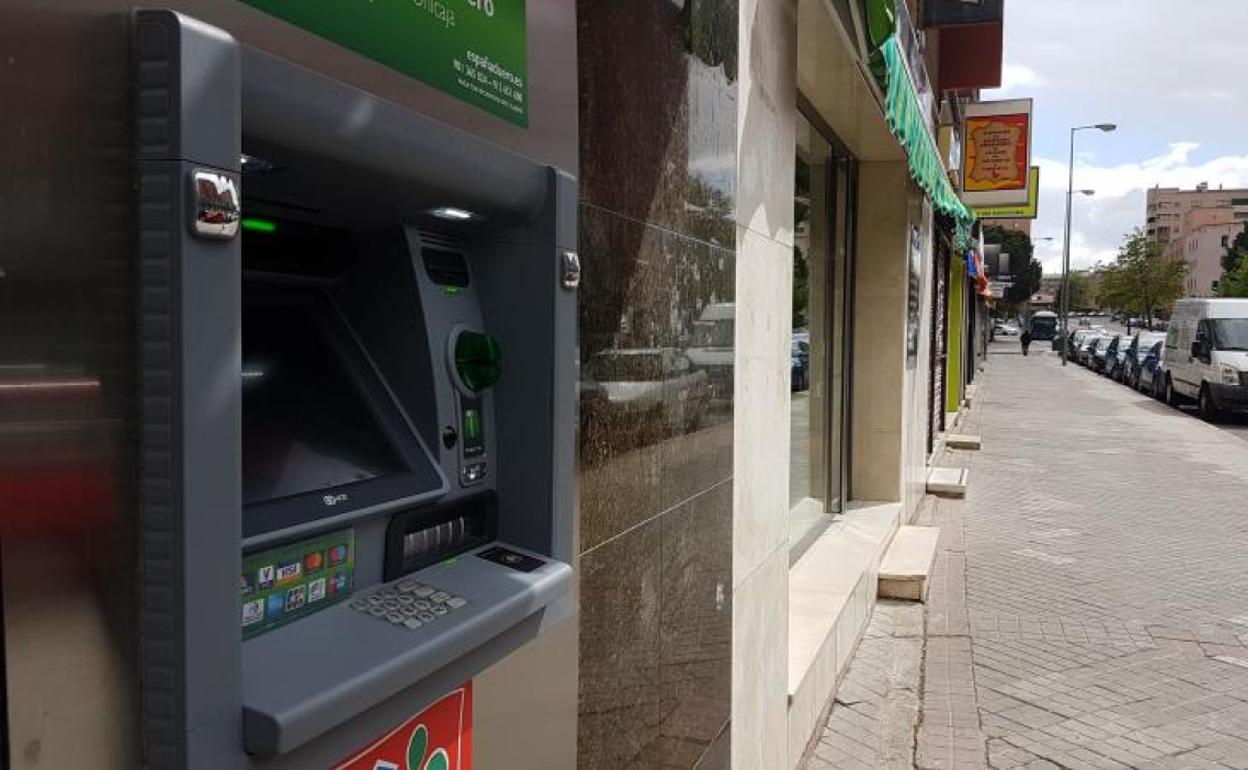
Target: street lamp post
(1070,193)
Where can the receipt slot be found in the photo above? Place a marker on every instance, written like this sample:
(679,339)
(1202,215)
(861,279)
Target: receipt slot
(358,379)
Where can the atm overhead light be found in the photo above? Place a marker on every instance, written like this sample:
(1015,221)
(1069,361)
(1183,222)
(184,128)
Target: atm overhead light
(452,214)
(253,165)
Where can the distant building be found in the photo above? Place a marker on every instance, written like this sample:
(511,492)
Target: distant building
(1202,239)
(1042,300)
(1165,208)
(1196,226)
(1021,225)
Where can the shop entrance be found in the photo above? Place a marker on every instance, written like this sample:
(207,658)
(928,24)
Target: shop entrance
(824,206)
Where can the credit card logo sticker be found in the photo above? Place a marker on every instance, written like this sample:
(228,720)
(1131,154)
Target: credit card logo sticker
(274,603)
(253,612)
(296,598)
(289,573)
(316,590)
(337,555)
(264,577)
(338,583)
(313,562)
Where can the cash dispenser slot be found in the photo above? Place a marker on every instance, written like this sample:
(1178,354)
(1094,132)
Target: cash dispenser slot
(357,407)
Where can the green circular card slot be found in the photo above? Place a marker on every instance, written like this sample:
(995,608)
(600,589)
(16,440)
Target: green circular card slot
(478,360)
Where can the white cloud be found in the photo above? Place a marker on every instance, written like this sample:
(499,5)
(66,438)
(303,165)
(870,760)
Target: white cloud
(1100,222)
(1206,95)
(1018,76)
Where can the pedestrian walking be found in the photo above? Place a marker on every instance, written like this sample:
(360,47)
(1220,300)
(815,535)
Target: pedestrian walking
(1026,340)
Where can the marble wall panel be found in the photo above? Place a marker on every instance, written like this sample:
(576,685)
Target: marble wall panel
(696,625)
(658,112)
(620,703)
(658,184)
(657,358)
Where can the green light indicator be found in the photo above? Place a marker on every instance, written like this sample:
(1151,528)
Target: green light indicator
(451,291)
(472,425)
(259,225)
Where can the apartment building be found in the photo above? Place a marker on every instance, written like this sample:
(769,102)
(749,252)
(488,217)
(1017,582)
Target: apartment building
(1196,226)
(1202,239)
(1165,207)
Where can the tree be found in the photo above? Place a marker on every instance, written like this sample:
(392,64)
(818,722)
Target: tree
(1235,282)
(1232,263)
(1027,271)
(1083,291)
(1141,280)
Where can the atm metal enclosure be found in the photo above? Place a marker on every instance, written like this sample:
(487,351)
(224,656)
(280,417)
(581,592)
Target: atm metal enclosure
(317,378)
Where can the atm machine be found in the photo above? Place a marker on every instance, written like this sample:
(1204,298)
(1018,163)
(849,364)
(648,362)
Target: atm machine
(357,370)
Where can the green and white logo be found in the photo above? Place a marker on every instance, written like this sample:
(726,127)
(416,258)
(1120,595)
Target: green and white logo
(475,50)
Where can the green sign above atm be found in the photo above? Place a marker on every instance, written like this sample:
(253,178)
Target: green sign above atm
(475,50)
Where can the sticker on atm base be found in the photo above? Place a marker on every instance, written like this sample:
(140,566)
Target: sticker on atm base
(438,738)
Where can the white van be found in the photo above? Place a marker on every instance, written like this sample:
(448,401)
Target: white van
(1206,356)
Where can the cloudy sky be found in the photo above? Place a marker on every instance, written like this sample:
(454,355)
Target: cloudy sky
(1172,75)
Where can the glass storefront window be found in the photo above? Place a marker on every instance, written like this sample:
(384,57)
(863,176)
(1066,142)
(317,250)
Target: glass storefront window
(823,225)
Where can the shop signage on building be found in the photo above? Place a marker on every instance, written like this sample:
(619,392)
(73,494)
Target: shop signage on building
(474,50)
(1029,210)
(942,13)
(996,153)
(438,738)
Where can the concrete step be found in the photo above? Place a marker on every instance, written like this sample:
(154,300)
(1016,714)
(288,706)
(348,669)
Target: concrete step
(907,564)
(947,481)
(962,441)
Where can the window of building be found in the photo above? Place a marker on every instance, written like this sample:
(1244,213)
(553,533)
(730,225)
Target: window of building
(823,200)
(1239,201)
(1241,214)
(1226,241)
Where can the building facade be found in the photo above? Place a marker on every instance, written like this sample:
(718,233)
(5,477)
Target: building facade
(1202,239)
(1165,208)
(780,309)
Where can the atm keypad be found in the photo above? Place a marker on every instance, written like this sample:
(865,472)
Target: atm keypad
(408,603)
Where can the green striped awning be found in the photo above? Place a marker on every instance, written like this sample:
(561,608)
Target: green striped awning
(908,123)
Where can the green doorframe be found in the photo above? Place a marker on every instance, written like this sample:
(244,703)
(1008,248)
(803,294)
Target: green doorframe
(954,325)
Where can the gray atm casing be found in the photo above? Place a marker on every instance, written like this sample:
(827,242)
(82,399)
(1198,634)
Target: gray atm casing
(309,693)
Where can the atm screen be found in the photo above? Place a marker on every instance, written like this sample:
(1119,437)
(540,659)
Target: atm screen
(306,424)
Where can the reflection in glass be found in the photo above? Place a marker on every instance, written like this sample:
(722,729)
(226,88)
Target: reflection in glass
(823,217)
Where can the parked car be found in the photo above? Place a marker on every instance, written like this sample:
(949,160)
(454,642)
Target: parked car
(711,348)
(1207,355)
(1087,350)
(799,365)
(1116,362)
(1104,354)
(662,382)
(1150,376)
(1133,359)
(1006,329)
(1075,343)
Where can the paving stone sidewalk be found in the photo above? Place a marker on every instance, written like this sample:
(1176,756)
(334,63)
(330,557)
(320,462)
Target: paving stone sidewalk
(1089,607)
(872,721)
